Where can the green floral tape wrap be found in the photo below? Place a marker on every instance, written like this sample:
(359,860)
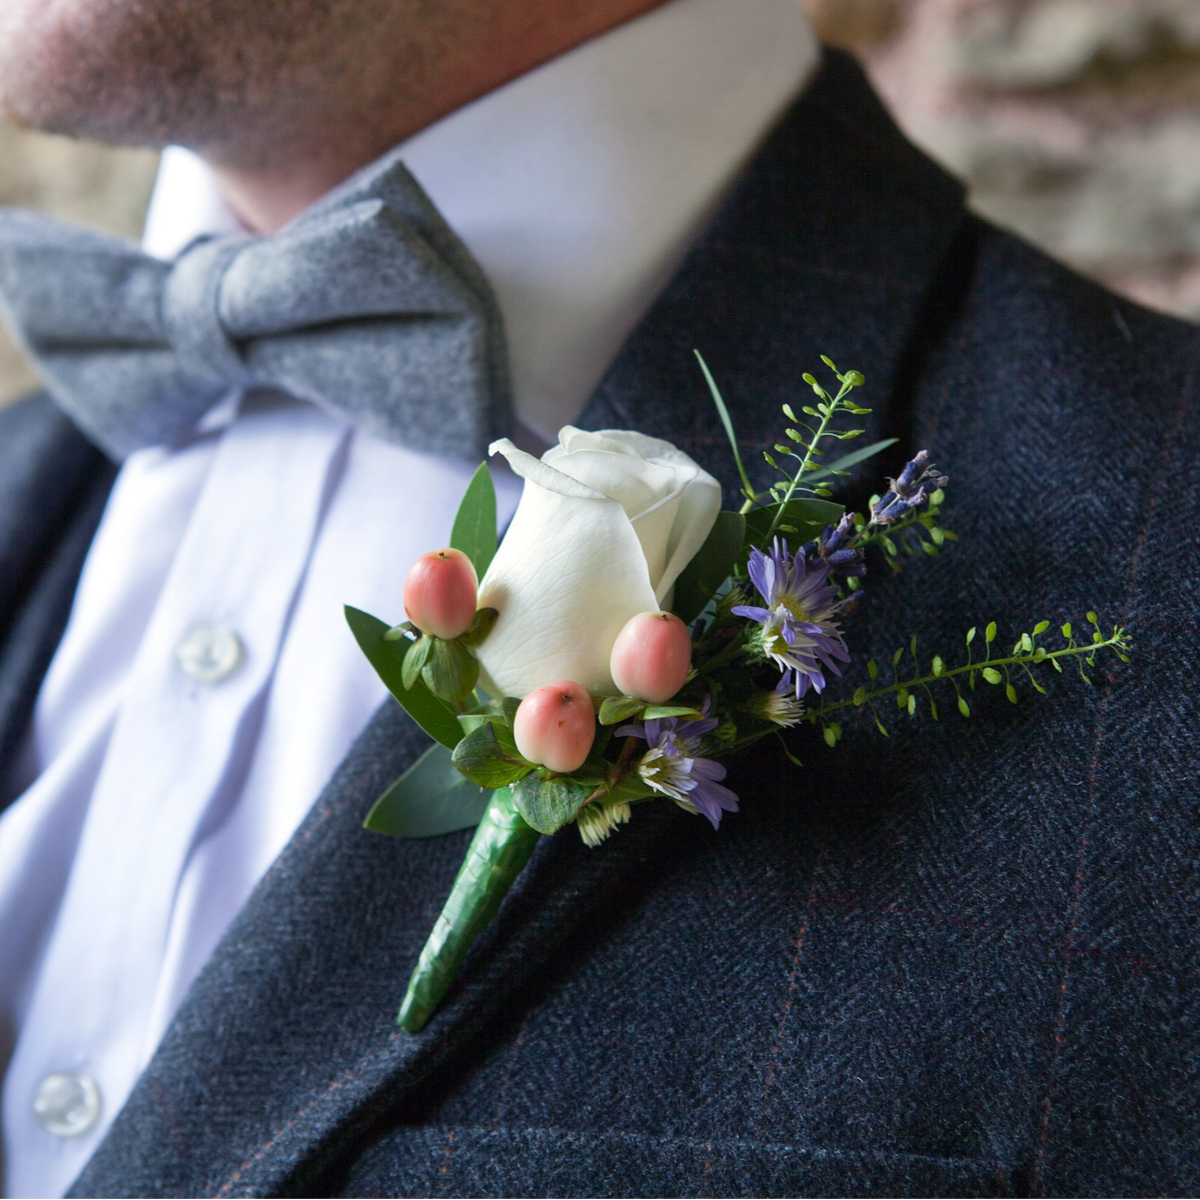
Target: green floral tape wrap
(497,854)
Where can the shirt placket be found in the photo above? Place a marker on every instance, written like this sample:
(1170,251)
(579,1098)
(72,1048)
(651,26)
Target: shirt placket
(179,749)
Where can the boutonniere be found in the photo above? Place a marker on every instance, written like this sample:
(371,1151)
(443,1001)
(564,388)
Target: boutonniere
(627,637)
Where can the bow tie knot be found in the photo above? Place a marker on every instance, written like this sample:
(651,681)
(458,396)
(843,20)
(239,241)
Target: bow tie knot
(191,299)
(366,305)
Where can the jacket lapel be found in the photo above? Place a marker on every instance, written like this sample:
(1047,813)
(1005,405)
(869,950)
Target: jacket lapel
(840,239)
(837,240)
(53,486)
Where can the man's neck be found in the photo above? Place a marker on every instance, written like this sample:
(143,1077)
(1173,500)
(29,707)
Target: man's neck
(518,39)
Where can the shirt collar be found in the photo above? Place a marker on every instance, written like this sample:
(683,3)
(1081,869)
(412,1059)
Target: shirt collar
(580,185)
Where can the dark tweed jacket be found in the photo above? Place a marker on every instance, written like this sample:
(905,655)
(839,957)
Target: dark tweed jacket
(959,961)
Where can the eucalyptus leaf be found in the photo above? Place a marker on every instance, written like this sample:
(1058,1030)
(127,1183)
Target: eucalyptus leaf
(710,566)
(474,531)
(431,798)
(549,804)
(483,759)
(388,660)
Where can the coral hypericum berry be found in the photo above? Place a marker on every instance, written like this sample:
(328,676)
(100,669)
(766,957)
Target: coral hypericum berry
(651,657)
(440,592)
(555,726)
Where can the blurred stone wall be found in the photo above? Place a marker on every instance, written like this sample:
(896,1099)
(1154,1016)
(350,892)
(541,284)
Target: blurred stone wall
(1074,122)
(79,182)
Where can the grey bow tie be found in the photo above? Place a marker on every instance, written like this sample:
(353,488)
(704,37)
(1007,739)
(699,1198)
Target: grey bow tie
(367,305)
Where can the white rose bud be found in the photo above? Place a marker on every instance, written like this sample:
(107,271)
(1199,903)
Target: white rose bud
(606,523)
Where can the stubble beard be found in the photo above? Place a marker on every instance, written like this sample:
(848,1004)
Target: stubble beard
(243,81)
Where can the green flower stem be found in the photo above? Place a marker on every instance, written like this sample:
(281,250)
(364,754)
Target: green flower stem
(831,408)
(1118,641)
(497,854)
(735,648)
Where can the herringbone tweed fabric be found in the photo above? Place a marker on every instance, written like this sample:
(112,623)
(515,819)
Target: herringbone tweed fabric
(958,961)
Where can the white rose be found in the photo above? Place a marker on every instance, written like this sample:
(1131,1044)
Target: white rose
(606,523)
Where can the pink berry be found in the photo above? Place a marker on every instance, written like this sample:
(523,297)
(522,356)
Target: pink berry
(555,726)
(440,592)
(651,657)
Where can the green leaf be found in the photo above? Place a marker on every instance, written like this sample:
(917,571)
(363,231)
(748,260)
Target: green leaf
(660,712)
(416,658)
(726,421)
(431,798)
(619,708)
(829,736)
(472,721)
(484,757)
(850,460)
(481,626)
(474,531)
(548,804)
(388,660)
(450,672)
(629,788)
(808,515)
(710,566)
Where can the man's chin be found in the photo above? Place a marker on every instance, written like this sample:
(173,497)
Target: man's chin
(123,71)
(58,72)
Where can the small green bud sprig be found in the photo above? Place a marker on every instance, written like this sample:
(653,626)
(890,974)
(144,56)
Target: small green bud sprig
(995,668)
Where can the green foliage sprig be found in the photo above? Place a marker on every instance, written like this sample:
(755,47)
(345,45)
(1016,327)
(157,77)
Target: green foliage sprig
(995,668)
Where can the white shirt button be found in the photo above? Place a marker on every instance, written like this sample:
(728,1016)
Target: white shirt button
(66,1104)
(209,653)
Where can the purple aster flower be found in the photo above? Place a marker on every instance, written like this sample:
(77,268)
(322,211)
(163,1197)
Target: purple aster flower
(671,765)
(798,632)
